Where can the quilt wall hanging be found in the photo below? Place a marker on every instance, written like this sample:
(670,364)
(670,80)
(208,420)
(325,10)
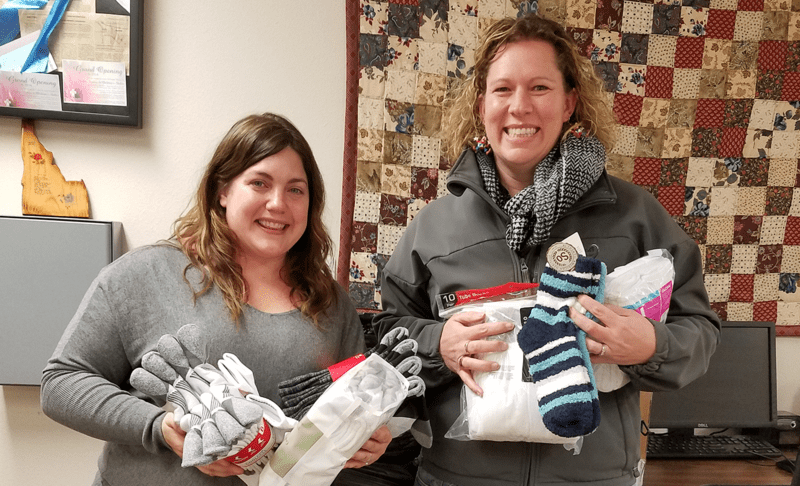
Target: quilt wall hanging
(706,93)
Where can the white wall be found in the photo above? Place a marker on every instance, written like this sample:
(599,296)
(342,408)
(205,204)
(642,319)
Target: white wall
(205,67)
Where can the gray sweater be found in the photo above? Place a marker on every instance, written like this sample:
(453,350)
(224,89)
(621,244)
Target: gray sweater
(132,303)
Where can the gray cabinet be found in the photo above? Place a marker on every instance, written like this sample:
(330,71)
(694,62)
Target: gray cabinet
(46,266)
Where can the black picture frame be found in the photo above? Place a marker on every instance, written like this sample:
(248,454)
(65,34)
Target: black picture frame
(129,115)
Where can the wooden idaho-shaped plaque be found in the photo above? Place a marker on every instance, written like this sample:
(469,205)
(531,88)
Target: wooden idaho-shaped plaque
(45,192)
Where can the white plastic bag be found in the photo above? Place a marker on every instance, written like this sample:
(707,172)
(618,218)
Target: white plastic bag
(509,407)
(644,285)
(342,419)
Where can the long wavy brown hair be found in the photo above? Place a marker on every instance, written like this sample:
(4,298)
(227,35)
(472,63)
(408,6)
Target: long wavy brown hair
(203,234)
(462,123)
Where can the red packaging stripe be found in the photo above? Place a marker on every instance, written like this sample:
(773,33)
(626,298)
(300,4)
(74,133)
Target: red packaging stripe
(343,367)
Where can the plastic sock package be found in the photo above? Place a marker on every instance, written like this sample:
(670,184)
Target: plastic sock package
(509,409)
(644,285)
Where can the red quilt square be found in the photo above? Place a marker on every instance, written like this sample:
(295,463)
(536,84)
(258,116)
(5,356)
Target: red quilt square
(779,201)
(721,24)
(658,83)
(718,258)
(583,38)
(793,56)
(751,5)
(791,87)
(746,229)
(741,288)
(608,15)
(424,182)
(721,309)
(769,258)
(694,226)
(772,55)
(689,52)
(672,198)
(706,142)
(754,172)
(769,85)
(628,108)
(733,139)
(710,113)
(765,311)
(792,234)
(394,210)
(646,171)
(365,237)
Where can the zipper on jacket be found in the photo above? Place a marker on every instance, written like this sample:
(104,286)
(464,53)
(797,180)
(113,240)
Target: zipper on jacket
(525,273)
(529,274)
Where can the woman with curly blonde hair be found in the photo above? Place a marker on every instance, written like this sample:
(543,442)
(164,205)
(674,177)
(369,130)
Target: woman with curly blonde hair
(530,129)
(462,125)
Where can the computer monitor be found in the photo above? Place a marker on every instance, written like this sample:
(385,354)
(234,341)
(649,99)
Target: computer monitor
(738,391)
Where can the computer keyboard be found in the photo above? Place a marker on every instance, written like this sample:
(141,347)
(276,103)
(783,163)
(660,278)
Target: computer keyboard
(709,446)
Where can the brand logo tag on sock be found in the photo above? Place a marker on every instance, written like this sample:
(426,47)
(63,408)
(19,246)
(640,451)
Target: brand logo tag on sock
(562,257)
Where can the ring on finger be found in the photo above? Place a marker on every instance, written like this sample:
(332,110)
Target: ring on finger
(603,350)
(466,346)
(460,359)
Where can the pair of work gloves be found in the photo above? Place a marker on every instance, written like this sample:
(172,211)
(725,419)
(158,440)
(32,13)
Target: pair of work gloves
(218,407)
(222,413)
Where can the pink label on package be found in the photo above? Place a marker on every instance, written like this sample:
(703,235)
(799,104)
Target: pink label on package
(658,306)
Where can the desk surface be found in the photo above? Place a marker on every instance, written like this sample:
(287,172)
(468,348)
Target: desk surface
(697,472)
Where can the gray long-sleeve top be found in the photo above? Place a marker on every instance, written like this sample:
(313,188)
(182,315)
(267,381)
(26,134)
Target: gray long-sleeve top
(132,303)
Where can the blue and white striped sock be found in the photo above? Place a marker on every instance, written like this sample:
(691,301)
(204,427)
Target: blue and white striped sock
(556,349)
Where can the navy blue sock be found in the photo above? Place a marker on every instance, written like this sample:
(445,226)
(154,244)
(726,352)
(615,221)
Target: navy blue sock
(556,349)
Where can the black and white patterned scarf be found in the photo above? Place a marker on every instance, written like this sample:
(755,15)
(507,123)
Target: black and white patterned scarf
(568,171)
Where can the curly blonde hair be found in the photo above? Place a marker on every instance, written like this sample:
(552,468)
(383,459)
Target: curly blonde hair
(462,123)
(202,233)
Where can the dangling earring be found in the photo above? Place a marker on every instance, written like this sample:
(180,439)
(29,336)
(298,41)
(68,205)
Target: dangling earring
(482,145)
(578,131)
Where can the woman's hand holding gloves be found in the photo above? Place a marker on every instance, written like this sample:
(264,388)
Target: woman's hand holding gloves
(212,418)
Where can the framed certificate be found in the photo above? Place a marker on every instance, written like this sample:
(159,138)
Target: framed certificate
(93,70)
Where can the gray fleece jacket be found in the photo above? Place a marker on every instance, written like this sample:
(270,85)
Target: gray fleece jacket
(132,303)
(457,242)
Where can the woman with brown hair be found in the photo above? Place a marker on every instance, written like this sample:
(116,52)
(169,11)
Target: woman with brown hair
(247,265)
(531,128)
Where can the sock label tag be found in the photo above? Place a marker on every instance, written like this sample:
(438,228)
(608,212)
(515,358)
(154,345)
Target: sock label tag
(562,257)
(448,300)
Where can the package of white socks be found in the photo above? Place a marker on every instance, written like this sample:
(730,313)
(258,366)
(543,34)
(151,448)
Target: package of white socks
(644,285)
(509,408)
